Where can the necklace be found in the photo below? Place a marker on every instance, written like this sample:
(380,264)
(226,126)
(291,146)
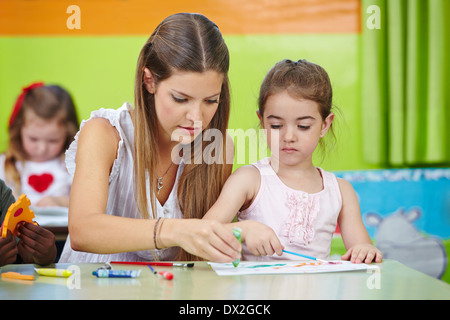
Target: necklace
(160,180)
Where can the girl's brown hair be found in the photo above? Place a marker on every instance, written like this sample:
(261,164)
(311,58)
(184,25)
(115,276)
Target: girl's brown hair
(47,102)
(181,42)
(302,80)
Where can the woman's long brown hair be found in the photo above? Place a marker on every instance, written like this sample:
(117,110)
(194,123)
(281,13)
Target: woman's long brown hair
(181,42)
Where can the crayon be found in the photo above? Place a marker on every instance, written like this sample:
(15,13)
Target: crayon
(237,234)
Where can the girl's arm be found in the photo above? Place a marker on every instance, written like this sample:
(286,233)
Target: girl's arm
(238,193)
(354,234)
(92,230)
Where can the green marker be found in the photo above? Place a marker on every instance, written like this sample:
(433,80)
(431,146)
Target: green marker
(237,234)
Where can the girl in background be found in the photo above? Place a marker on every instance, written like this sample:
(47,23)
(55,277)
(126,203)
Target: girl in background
(296,203)
(130,199)
(41,127)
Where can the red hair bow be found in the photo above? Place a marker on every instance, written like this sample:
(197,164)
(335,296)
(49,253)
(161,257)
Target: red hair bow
(20,99)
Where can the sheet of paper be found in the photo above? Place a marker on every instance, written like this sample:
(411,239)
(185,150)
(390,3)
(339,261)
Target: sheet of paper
(286,267)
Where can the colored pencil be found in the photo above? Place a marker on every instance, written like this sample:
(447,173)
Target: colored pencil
(152,263)
(304,256)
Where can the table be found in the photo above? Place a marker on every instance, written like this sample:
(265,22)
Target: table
(393,280)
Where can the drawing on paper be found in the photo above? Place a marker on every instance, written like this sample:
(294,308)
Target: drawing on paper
(289,267)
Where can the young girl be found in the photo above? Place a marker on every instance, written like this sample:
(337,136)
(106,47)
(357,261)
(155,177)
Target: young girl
(129,199)
(41,127)
(286,193)
(35,245)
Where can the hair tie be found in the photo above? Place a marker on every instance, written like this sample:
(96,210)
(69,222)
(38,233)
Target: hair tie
(295,63)
(20,99)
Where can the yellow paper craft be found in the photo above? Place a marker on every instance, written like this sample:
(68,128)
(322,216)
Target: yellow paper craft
(19,211)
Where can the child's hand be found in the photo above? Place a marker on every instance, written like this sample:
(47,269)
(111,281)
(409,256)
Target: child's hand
(260,239)
(363,253)
(8,249)
(36,245)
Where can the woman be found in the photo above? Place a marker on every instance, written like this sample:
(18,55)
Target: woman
(126,183)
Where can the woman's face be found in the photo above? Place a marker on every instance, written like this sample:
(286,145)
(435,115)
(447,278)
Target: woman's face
(185,103)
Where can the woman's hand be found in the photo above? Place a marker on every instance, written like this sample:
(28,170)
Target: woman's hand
(208,239)
(363,253)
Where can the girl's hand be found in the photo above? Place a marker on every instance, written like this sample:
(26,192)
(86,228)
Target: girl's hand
(208,239)
(363,253)
(260,239)
(8,249)
(36,245)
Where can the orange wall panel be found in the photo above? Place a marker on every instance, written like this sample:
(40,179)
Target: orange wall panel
(140,17)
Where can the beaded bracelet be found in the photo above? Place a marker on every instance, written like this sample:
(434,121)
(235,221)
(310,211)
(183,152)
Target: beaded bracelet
(155,231)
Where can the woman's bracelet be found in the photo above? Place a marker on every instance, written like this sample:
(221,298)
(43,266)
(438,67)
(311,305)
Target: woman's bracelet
(156,231)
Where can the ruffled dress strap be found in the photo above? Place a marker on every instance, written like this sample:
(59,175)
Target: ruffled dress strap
(114,117)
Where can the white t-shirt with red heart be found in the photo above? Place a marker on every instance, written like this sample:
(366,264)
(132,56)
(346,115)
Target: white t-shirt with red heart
(40,179)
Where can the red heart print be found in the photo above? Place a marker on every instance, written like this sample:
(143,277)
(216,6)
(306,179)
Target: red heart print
(40,183)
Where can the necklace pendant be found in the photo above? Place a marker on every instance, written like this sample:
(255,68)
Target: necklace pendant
(160,184)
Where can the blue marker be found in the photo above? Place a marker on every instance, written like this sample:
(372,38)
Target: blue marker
(103,273)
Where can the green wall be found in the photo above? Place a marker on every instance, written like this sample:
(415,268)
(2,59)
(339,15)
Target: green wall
(99,72)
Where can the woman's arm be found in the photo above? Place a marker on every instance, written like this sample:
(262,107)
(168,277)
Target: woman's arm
(354,234)
(92,230)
